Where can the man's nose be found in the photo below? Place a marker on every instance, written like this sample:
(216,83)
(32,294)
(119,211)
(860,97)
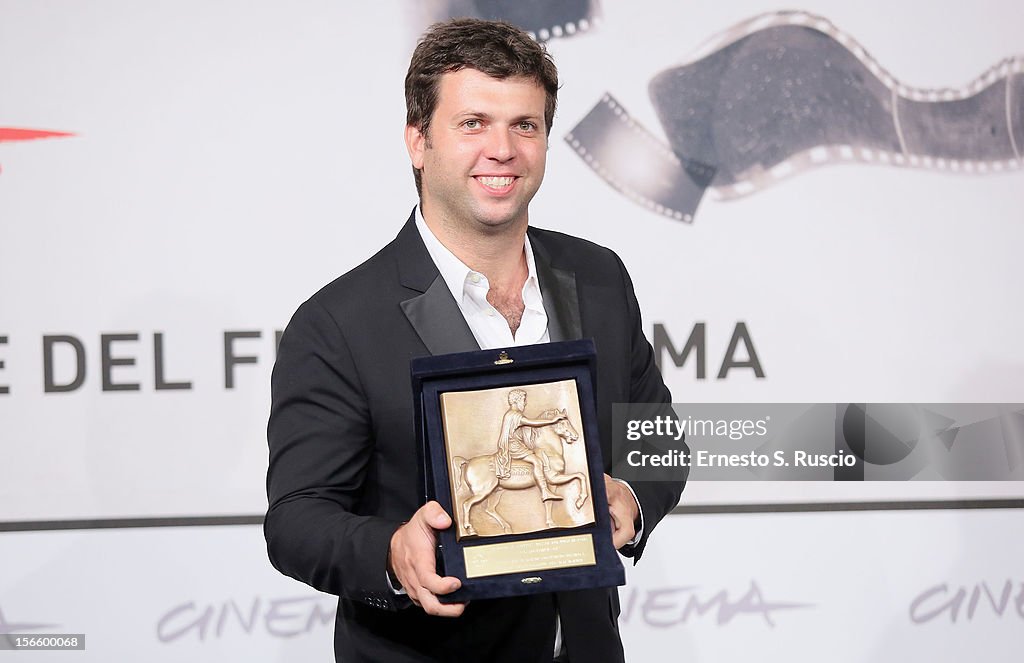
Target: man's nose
(501,146)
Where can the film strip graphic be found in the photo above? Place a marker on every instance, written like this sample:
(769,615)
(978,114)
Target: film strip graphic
(542,19)
(638,165)
(786,92)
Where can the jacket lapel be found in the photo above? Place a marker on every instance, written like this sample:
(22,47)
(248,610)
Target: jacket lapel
(437,319)
(433,313)
(558,288)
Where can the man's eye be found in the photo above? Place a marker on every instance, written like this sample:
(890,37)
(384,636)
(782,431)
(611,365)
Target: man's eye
(471,124)
(527,126)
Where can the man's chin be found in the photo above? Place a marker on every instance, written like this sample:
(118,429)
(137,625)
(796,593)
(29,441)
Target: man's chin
(500,220)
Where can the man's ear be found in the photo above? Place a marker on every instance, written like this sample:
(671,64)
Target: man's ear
(416,143)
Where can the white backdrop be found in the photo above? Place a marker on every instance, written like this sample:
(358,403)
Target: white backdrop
(228,158)
(842,587)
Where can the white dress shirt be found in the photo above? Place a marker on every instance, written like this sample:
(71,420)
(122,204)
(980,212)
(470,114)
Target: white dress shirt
(470,290)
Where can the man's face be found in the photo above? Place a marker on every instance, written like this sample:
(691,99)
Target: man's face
(484,158)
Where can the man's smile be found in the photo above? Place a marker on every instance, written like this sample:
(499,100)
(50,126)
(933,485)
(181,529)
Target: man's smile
(496,184)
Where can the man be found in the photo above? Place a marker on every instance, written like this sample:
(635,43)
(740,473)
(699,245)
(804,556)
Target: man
(512,446)
(464,273)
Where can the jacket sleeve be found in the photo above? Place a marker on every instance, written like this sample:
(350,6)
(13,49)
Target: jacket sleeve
(656,498)
(321,444)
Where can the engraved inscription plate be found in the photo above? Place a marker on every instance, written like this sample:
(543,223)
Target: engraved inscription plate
(560,552)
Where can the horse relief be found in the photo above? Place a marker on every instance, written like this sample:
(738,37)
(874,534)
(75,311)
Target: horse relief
(527,460)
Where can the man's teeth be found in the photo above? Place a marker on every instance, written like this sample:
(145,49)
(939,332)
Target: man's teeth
(496,182)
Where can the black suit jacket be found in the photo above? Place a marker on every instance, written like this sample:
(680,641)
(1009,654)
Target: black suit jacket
(343,472)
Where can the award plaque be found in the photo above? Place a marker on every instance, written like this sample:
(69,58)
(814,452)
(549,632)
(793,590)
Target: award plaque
(509,448)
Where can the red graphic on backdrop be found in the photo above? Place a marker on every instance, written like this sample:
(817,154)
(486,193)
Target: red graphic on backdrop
(11,134)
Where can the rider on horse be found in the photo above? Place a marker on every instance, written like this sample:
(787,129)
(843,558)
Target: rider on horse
(516,443)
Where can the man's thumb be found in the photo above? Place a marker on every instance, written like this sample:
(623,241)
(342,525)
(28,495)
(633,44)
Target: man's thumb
(435,516)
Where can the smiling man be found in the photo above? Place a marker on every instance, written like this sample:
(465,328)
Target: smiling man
(481,156)
(466,272)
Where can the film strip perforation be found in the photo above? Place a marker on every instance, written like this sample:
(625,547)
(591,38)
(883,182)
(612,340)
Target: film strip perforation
(756,180)
(626,190)
(638,129)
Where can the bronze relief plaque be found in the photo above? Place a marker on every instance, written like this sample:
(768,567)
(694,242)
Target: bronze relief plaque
(517,458)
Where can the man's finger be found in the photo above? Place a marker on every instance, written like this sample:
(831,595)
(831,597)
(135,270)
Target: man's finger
(615,531)
(621,537)
(435,584)
(616,525)
(621,534)
(432,606)
(426,588)
(616,528)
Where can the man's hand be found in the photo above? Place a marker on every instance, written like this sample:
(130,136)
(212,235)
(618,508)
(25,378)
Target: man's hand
(412,561)
(624,510)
